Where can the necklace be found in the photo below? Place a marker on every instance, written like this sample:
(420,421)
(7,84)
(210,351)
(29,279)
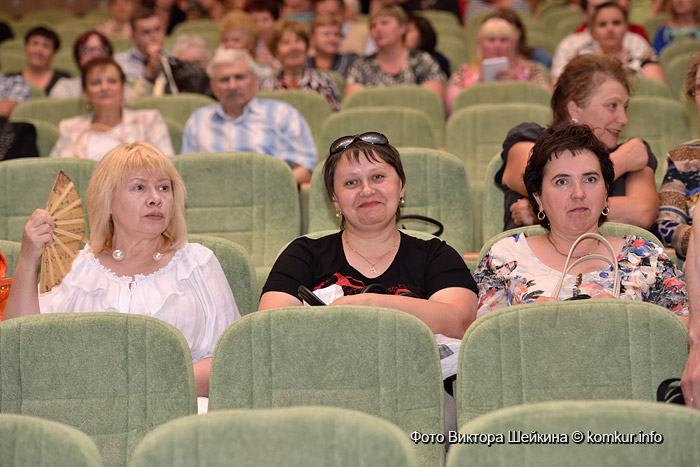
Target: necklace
(595,247)
(119,255)
(372,265)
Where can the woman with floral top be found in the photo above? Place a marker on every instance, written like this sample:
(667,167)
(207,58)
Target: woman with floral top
(568,178)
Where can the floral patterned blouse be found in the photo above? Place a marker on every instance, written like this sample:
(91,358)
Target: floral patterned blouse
(510,274)
(525,70)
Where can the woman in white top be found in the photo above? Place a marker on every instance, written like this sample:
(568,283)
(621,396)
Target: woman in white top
(138,259)
(93,135)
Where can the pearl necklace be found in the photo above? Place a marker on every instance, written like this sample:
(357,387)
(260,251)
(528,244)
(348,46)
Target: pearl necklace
(372,266)
(119,255)
(595,247)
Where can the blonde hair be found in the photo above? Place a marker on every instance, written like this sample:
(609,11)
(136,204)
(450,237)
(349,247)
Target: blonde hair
(394,11)
(238,19)
(496,27)
(112,173)
(325,20)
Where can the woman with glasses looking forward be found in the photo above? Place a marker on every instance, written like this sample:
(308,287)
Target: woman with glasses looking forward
(428,279)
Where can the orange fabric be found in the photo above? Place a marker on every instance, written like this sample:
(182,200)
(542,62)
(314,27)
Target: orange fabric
(4,285)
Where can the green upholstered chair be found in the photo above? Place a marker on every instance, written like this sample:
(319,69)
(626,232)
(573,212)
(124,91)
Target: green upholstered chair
(210,36)
(642,86)
(614,229)
(313,107)
(411,96)
(297,436)
(456,49)
(250,199)
(671,51)
(403,126)
(494,200)
(653,23)
(648,422)
(436,186)
(49,16)
(49,109)
(240,272)
(584,349)
(194,26)
(660,122)
(502,91)
(476,133)
(175,130)
(25,185)
(114,376)
(33,441)
(375,360)
(691,112)
(10,250)
(46,135)
(175,106)
(13,61)
(675,71)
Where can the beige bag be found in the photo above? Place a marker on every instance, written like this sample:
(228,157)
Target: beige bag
(613,263)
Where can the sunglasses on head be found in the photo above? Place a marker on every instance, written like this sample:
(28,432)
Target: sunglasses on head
(371,137)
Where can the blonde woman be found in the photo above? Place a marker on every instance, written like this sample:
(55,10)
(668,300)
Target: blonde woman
(138,259)
(496,38)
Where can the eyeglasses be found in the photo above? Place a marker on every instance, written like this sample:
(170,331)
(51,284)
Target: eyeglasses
(371,137)
(94,50)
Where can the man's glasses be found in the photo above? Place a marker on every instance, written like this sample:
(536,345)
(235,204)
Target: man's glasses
(371,137)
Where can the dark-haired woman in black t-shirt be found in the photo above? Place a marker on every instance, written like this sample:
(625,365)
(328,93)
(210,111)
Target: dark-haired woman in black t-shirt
(365,181)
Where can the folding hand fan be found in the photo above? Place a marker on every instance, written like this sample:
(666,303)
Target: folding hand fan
(65,207)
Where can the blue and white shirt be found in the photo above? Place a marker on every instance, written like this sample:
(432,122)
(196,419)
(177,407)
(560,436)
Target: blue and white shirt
(266,126)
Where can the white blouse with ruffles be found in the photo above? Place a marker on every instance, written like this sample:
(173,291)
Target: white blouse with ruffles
(190,292)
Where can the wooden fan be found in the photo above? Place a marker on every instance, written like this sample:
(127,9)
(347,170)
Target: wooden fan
(65,207)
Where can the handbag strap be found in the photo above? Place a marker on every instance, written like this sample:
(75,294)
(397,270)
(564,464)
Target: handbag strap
(613,263)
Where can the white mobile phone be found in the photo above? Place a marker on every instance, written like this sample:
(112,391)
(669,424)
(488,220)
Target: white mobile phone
(490,67)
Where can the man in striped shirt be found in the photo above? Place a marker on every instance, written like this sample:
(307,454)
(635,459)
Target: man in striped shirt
(242,122)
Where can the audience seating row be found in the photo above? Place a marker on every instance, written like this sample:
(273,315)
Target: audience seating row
(252,199)
(116,377)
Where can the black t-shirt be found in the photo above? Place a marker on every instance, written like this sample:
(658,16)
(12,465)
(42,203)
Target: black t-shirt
(422,267)
(528,132)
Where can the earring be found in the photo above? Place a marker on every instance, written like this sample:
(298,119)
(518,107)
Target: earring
(541,215)
(606,211)
(338,214)
(575,120)
(402,201)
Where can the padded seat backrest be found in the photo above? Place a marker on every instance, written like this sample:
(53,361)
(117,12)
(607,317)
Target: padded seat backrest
(293,437)
(239,270)
(34,441)
(25,185)
(401,125)
(50,109)
(498,92)
(659,434)
(475,133)
(114,376)
(660,122)
(379,361)
(250,199)
(177,107)
(584,349)
(410,96)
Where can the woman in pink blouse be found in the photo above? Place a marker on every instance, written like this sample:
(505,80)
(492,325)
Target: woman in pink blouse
(93,135)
